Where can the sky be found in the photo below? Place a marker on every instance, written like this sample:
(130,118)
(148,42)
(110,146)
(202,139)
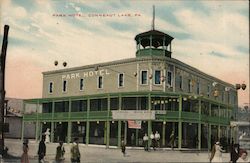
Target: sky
(212,36)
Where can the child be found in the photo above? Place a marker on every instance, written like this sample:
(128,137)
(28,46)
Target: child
(123,146)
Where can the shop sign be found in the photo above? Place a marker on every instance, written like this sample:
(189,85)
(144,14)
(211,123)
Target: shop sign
(134,124)
(133,114)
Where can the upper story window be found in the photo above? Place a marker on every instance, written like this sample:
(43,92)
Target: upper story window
(170,78)
(120,80)
(222,96)
(100,82)
(64,86)
(81,84)
(51,87)
(144,77)
(198,88)
(234,99)
(189,85)
(208,90)
(180,82)
(157,77)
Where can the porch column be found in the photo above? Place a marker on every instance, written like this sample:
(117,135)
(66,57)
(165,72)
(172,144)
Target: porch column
(22,130)
(87,123)
(69,123)
(119,133)
(69,131)
(179,134)
(209,136)
(149,122)
(180,123)
(37,122)
(136,137)
(125,132)
(108,134)
(52,122)
(163,133)
(52,131)
(119,121)
(199,136)
(149,133)
(108,124)
(199,126)
(22,133)
(37,130)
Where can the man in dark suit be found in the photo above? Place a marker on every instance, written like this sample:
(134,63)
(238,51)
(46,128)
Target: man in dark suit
(234,154)
(41,149)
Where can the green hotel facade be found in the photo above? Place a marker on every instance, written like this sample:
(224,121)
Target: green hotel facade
(95,102)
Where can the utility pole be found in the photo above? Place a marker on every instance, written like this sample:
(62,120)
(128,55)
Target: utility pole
(2,88)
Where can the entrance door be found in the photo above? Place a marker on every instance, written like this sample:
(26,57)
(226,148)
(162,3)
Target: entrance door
(132,136)
(61,129)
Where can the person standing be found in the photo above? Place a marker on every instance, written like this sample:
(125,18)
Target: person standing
(216,154)
(152,137)
(123,147)
(75,152)
(234,154)
(47,136)
(41,150)
(25,157)
(243,156)
(145,141)
(172,140)
(157,139)
(60,153)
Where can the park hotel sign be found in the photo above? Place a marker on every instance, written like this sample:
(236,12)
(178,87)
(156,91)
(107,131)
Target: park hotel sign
(86,74)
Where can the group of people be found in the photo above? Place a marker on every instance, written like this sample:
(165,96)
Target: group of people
(155,140)
(237,155)
(60,151)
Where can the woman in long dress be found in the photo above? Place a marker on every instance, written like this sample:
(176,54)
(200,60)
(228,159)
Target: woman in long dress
(216,154)
(47,136)
(25,157)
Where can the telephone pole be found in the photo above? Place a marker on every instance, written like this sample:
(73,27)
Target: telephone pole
(2,88)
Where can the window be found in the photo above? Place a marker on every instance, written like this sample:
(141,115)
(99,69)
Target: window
(169,78)
(62,106)
(51,87)
(64,86)
(180,82)
(47,107)
(189,85)
(144,77)
(78,105)
(208,90)
(157,77)
(222,96)
(198,88)
(81,84)
(99,104)
(120,80)
(100,82)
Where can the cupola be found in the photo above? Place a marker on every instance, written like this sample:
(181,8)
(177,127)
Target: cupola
(153,43)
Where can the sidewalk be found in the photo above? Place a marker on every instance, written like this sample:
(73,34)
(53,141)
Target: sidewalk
(101,154)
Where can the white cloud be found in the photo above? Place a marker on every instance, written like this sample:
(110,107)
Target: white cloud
(218,27)
(77,9)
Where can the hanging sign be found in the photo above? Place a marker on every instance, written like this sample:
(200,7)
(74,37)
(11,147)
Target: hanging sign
(134,124)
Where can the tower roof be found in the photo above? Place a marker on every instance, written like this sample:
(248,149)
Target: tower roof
(154,33)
